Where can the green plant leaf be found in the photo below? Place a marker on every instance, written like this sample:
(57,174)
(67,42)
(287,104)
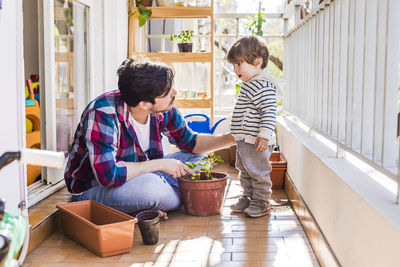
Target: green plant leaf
(142,20)
(190,165)
(184,36)
(145,14)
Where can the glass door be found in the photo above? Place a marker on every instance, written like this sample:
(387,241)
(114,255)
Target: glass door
(69,80)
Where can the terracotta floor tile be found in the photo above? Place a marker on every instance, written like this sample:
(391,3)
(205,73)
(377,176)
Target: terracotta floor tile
(238,264)
(224,222)
(172,228)
(276,263)
(288,234)
(255,256)
(42,264)
(241,248)
(71,250)
(201,257)
(165,247)
(231,234)
(175,264)
(114,264)
(139,248)
(44,258)
(143,258)
(258,228)
(258,240)
(90,258)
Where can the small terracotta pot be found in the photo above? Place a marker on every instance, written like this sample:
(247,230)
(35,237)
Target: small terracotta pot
(185,47)
(144,2)
(203,197)
(149,225)
(279,166)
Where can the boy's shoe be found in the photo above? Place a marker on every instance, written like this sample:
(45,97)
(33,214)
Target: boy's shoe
(241,205)
(257,208)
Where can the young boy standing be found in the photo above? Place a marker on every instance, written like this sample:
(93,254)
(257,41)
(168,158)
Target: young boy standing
(253,124)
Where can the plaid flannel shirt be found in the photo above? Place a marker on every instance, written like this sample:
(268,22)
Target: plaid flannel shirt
(105,140)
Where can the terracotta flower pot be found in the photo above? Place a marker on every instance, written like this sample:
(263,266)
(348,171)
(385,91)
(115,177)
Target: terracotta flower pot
(185,47)
(203,197)
(144,2)
(279,166)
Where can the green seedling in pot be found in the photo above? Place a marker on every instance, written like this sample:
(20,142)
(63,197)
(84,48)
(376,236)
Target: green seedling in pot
(204,166)
(183,37)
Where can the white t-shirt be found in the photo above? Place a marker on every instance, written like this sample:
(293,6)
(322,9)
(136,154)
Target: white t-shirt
(142,132)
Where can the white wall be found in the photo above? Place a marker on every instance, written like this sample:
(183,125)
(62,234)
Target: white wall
(358,217)
(11,108)
(110,41)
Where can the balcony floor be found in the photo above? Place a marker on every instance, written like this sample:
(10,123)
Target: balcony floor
(228,239)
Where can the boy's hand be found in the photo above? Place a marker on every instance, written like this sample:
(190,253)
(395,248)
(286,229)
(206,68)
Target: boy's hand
(261,144)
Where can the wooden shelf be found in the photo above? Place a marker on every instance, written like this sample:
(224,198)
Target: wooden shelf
(178,57)
(179,12)
(193,102)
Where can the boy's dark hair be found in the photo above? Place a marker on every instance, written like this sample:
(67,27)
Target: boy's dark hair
(143,80)
(247,49)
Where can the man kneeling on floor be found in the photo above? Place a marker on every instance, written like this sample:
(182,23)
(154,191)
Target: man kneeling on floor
(117,158)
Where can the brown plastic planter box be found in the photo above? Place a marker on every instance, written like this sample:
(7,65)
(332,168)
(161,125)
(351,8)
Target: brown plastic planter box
(279,166)
(103,230)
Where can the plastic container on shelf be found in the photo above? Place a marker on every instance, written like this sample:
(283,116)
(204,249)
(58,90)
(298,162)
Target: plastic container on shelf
(101,229)
(179,3)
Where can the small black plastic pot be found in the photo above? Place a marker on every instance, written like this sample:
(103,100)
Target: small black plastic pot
(185,47)
(149,225)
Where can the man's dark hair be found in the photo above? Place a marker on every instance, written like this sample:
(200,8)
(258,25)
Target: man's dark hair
(144,80)
(247,49)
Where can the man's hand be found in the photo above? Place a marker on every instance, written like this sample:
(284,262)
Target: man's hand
(163,215)
(175,168)
(261,144)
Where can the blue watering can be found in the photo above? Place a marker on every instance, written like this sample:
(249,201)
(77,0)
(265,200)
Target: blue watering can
(202,126)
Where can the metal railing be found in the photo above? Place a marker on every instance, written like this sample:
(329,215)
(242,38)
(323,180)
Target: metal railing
(341,63)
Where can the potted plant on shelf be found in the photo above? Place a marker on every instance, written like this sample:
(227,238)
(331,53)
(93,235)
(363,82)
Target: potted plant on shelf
(144,13)
(144,2)
(204,192)
(185,43)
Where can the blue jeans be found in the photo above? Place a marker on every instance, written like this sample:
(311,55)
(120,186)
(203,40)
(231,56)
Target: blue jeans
(147,191)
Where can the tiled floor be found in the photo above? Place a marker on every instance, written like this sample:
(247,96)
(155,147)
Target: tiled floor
(228,239)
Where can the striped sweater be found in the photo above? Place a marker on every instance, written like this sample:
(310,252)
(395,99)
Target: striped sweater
(254,114)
